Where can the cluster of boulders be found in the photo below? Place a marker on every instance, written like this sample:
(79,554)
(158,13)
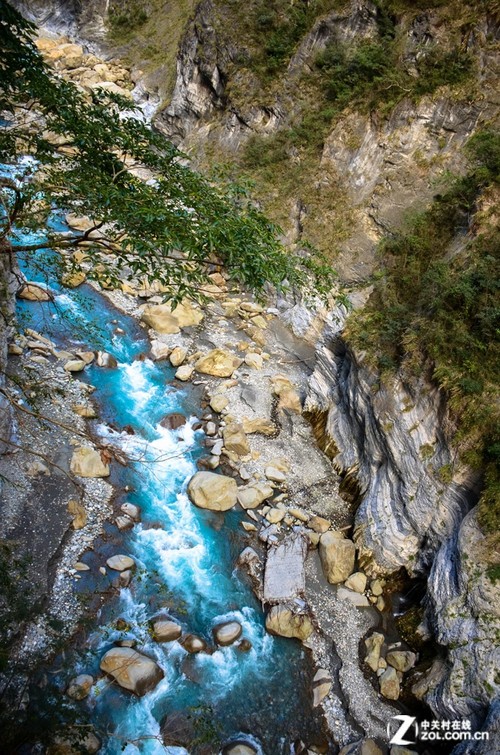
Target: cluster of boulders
(87,71)
(137,672)
(389,661)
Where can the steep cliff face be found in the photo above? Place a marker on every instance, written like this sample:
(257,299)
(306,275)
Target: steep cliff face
(392,439)
(392,443)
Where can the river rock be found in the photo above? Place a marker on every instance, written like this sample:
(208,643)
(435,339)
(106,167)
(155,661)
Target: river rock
(376,587)
(173,421)
(239,748)
(124,523)
(84,411)
(120,562)
(131,510)
(124,579)
(87,356)
(356,582)
(178,356)
(284,576)
(164,319)
(103,359)
(254,360)
(79,687)
(227,633)
(34,292)
(322,684)
(401,660)
(285,621)
(373,645)
(275,475)
(193,644)
(252,496)
(159,350)
(75,365)
(390,684)
(78,513)
(235,440)
(287,394)
(259,425)
(274,516)
(218,402)
(319,524)
(361,601)
(87,462)
(73,279)
(337,555)
(218,362)
(209,490)
(165,630)
(132,670)
(184,372)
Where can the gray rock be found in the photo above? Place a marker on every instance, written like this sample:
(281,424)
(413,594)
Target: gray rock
(284,577)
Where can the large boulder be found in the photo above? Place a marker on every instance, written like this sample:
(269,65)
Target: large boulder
(235,440)
(285,621)
(337,555)
(194,644)
(218,362)
(120,562)
(227,632)
(284,576)
(164,319)
(166,630)
(252,496)
(132,670)
(34,292)
(259,425)
(288,396)
(87,462)
(209,490)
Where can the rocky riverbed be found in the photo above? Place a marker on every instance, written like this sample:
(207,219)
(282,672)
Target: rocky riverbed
(320,581)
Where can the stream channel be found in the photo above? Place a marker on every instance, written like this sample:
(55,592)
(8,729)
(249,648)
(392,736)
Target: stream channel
(185,558)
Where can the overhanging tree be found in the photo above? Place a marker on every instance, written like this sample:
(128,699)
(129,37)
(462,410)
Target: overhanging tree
(153,218)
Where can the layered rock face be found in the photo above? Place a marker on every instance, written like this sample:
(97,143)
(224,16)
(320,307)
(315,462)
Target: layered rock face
(390,438)
(392,443)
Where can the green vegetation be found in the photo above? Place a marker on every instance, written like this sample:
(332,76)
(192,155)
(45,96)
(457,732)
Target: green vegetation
(171,228)
(127,16)
(437,307)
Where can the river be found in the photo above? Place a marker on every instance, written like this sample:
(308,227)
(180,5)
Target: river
(185,559)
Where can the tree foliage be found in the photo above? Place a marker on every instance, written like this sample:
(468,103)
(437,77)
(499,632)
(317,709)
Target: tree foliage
(153,218)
